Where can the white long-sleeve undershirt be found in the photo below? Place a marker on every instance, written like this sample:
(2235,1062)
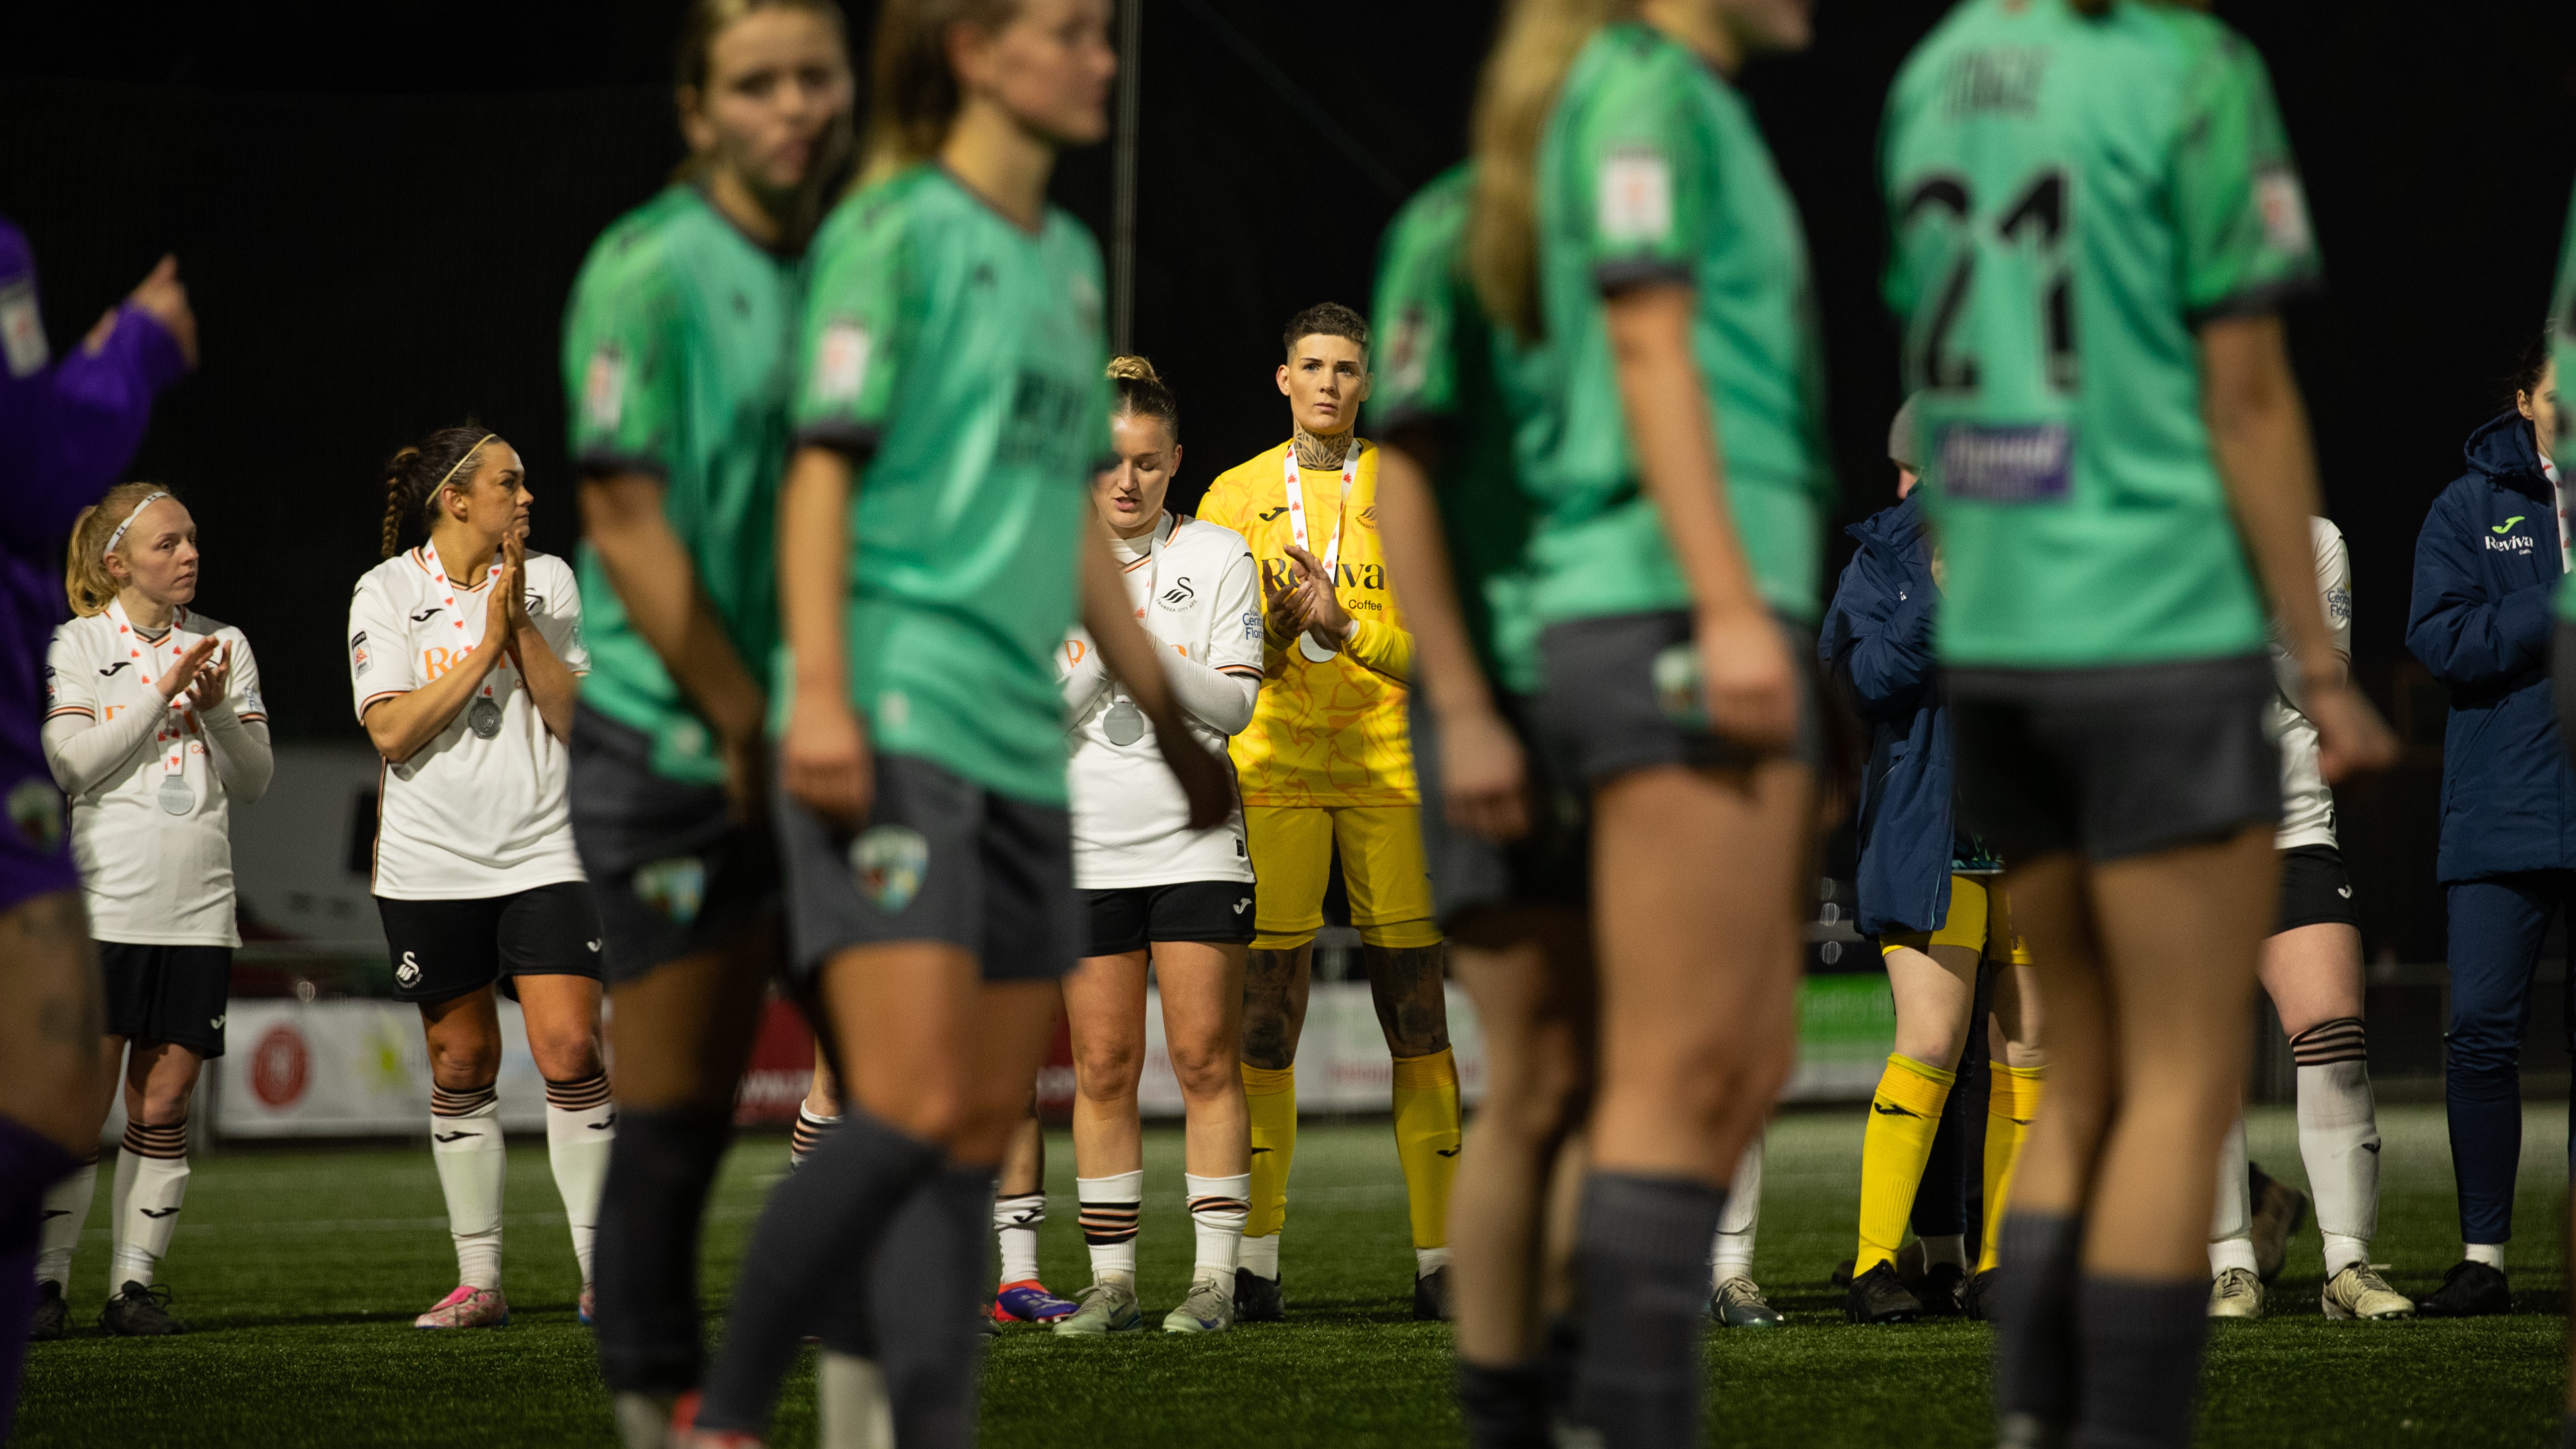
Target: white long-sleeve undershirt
(85,754)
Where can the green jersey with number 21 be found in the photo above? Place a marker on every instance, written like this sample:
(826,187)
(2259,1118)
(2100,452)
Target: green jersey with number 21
(2072,197)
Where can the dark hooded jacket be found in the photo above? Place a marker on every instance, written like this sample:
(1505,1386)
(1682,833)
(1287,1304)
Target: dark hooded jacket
(1878,635)
(2486,569)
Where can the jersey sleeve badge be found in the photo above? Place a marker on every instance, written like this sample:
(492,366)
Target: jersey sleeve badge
(358,651)
(2284,209)
(841,362)
(1635,199)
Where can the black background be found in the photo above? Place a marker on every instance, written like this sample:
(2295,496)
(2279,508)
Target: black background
(379,211)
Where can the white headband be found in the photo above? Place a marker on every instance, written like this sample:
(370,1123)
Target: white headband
(118,537)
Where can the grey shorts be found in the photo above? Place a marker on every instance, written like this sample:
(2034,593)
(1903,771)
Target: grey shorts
(1610,717)
(1550,866)
(940,859)
(673,873)
(2115,762)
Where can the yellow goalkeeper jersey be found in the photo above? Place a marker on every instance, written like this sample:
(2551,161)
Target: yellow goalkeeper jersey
(1330,731)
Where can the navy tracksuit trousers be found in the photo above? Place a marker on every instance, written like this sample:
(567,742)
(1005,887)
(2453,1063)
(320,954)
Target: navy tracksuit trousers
(2497,926)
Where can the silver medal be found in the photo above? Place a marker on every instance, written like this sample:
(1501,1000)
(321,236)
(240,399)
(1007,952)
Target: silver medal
(484,718)
(1307,646)
(176,797)
(1125,724)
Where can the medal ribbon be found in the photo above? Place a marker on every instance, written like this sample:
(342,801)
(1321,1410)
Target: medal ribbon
(1308,643)
(455,615)
(172,738)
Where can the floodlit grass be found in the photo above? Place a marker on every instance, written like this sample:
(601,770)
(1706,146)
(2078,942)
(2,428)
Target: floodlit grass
(301,1270)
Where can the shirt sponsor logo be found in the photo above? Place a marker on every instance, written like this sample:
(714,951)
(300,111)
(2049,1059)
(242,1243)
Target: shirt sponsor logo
(2004,80)
(22,329)
(1252,626)
(1046,421)
(1982,464)
(888,863)
(603,390)
(2284,208)
(1635,198)
(841,362)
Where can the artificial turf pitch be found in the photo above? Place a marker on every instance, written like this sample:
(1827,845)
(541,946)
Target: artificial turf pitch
(300,1271)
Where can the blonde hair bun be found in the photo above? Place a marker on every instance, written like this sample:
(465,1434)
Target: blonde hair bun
(1132,368)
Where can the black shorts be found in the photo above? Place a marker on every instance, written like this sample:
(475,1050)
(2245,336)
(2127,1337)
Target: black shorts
(2115,762)
(2316,890)
(447,948)
(1606,704)
(941,859)
(174,994)
(1550,866)
(1128,918)
(674,874)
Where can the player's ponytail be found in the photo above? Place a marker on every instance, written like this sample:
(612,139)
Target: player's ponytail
(1142,393)
(415,476)
(86,581)
(915,96)
(1532,52)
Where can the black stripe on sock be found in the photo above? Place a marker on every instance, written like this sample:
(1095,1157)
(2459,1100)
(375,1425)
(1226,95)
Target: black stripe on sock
(1200,1205)
(1109,1222)
(2339,1040)
(582,1094)
(444,1103)
(168,1142)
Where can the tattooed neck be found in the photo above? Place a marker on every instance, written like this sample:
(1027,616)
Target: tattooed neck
(1314,451)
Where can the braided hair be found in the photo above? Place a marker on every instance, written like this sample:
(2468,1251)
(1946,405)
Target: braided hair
(415,476)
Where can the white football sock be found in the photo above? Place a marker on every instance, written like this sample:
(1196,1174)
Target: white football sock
(66,1213)
(1109,1208)
(2231,1220)
(851,1403)
(2339,1138)
(581,1123)
(151,1182)
(1015,1226)
(1731,1255)
(2491,1254)
(465,1142)
(1218,1206)
(1259,1257)
(1427,1261)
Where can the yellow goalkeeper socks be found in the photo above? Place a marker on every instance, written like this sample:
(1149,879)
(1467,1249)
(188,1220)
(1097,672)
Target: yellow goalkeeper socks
(2012,1101)
(1271,1100)
(1426,1143)
(1903,1115)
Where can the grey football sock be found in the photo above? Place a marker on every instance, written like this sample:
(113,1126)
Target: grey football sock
(819,1220)
(2141,1361)
(2033,1305)
(931,1288)
(1643,1244)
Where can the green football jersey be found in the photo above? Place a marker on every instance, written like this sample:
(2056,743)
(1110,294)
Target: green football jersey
(2072,196)
(1652,170)
(1445,363)
(676,363)
(958,361)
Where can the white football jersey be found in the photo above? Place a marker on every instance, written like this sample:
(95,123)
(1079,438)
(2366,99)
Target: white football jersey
(1196,591)
(2307,806)
(468,816)
(151,877)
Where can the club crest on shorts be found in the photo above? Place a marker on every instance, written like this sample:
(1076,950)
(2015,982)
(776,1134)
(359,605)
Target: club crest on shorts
(408,973)
(36,813)
(888,862)
(673,889)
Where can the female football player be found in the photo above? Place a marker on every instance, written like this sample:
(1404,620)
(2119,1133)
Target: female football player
(676,363)
(465,654)
(67,427)
(950,403)
(2096,216)
(1628,214)
(1155,891)
(153,727)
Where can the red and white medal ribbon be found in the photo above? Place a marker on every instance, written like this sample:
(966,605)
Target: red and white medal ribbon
(1307,643)
(171,739)
(484,717)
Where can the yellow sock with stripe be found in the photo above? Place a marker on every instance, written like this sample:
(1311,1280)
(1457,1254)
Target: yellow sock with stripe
(1270,1098)
(1426,1143)
(2012,1101)
(1903,1115)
